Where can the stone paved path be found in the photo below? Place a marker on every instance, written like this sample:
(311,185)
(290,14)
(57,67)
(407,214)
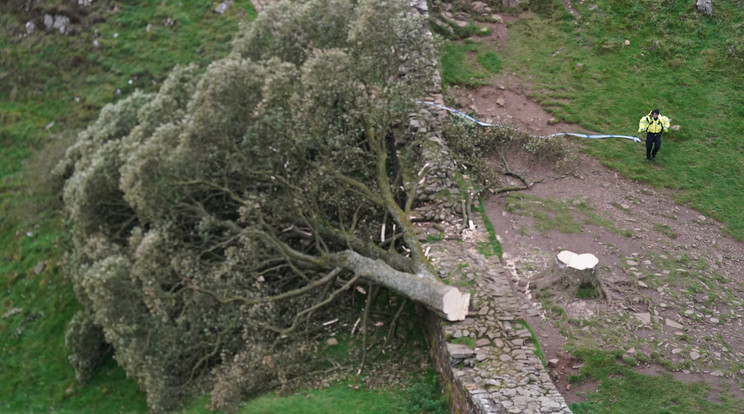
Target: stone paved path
(491,353)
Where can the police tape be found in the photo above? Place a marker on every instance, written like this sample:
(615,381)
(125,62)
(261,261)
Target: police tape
(470,118)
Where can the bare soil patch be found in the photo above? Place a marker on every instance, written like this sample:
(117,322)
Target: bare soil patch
(675,277)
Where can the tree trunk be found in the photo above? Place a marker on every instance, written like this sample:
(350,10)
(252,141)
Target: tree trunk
(422,287)
(571,271)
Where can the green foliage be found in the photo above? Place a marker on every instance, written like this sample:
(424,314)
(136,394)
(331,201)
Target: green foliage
(475,147)
(35,374)
(49,77)
(87,346)
(205,214)
(587,291)
(622,390)
(424,396)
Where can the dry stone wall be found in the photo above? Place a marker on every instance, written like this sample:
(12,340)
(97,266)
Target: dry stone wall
(488,361)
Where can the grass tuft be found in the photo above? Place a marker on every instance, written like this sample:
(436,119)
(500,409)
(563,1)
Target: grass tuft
(622,390)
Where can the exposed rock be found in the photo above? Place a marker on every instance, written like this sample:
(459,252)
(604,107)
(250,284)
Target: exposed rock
(459,351)
(222,7)
(644,317)
(480,7)
(57,22)
(482,342)
(11,312)
(705,6)
(39,267)
(673,324)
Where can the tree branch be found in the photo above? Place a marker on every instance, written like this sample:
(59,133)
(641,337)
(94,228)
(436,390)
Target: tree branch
(421,287)
(286,295)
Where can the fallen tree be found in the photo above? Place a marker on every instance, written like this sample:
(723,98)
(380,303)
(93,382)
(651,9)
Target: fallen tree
(218,221)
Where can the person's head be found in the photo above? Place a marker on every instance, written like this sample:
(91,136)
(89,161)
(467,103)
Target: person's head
(655,113)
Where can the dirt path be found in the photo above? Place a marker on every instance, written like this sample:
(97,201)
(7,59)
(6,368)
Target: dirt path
(676,278)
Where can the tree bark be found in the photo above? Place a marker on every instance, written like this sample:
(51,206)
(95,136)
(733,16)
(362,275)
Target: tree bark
(571,271)
(422,287)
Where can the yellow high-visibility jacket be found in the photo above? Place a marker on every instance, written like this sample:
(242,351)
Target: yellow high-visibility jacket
(648,123)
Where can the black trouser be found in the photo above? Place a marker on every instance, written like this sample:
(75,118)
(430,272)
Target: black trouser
(653,144)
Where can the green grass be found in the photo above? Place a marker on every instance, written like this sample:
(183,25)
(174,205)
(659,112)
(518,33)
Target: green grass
(421,397)
(687,64)
(548,214)
(35,375)
(468,63)
(330,400)
(538,349)
(464,340)
(493,247)
(621,390)
(64,80)
(665,230)
(693,75)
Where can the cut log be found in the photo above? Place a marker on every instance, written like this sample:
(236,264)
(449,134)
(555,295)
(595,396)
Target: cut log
(572,271)
(421,287)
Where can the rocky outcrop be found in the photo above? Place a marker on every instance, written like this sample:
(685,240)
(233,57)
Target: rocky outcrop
(705,6)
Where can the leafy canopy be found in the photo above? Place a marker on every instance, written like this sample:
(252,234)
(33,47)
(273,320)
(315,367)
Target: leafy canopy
(207,217)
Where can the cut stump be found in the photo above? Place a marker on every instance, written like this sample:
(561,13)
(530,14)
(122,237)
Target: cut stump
(572,271)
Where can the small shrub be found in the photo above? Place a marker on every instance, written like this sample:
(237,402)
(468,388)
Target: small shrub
(424,397)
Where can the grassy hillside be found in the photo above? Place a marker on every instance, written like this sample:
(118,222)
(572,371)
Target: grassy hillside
(52,85)
(613,65)
(687,64)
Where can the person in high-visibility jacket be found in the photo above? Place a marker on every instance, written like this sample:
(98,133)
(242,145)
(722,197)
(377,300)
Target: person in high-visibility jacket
(654,124)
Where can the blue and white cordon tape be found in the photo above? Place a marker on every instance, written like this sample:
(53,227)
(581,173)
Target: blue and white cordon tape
(470,118)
